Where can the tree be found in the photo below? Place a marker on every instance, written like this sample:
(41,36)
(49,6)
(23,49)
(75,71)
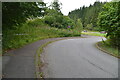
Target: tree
(89,26)
(56,19)
(88,15)
(109,20)
(16,13)
(79,25)
(56,5)
(53,18)
(42,8)
(68,23)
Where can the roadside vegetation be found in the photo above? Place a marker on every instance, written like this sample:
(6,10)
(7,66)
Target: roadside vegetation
(106,46)
(33,31)
(88,15)
(25,22)
(109,20)
(101,17)
(94,33)
(35,25)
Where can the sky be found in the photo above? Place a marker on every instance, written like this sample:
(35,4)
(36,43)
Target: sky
(69,5)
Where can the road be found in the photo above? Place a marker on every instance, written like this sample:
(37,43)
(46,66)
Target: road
(20,63)
(78,58)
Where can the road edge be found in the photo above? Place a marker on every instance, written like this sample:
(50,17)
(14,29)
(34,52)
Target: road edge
(38,63)
(100,48)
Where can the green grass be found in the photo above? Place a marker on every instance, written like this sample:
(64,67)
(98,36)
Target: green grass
(33,31)
(94,34)
(104,45)
(108,47)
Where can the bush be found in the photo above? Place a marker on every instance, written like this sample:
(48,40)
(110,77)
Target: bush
(89,26)
(109,21)
(79,25)
(56,19)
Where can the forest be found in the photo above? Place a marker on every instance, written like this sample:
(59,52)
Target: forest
(88,15)
(25,22)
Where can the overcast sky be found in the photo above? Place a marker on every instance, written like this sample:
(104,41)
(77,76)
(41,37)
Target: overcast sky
(69,5)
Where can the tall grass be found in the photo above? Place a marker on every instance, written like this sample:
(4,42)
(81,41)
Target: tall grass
(94,34)
(32,31)
(106,45)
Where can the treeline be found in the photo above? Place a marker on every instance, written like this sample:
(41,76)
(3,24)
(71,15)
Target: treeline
(88,15)
(17,13)
(109,20)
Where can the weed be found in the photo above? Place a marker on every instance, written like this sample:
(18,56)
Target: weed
(32,31)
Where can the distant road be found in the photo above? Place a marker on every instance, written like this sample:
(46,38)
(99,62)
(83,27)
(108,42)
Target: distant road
(78,58)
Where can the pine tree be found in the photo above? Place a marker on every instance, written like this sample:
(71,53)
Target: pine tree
(56,5)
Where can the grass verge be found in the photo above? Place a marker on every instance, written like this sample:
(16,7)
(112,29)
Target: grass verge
(94,34)
(32,31)
(107,48)
(38,62)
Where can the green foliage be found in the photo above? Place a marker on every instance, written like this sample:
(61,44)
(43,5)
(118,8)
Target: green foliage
(108,47)
(36,22)
(109,20)
(94,33)
(56,19)
(56,6)
(79,25)
(53,18)
(68,22)
(16,13)
(32,31)
(25,22)
(89,26)
(88,15)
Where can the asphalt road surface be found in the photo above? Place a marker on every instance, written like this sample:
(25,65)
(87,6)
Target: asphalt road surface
(78,58)
(20,63)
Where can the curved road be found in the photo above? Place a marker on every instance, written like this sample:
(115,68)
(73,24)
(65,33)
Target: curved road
(20,63)
(78,58)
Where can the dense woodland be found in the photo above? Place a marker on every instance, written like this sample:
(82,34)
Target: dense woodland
(34,18)
(88,15)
